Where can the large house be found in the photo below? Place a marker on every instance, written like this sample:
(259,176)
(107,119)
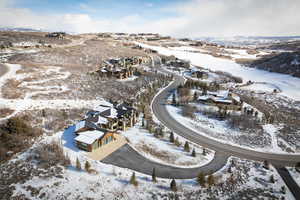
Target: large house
(89,137)
(120,68)
(222,97)
(113,118)
(100,125)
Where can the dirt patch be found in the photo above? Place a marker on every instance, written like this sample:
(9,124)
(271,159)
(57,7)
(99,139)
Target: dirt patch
(10,91)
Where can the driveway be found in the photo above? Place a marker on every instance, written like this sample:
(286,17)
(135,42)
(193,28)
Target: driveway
(127,157)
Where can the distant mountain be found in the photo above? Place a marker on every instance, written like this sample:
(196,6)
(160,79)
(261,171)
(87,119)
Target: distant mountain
(256,41)
(19,29)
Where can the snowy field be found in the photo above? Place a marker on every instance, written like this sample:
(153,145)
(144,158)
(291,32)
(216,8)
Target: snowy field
(171,154)
(290,86)
(220,131)
(261,87)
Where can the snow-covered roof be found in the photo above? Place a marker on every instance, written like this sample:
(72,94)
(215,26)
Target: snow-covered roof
(220,93)
(80,125)
(236,97)
(89,137)
(204,97)
(222,100)
(102,120)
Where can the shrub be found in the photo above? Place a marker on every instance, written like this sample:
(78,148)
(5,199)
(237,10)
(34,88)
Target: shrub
(201,179)
(51,154)
(177,142)
(87,166)
(211,180)
(78,164)
(173,185)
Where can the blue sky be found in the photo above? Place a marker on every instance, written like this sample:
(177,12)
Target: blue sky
(149,9)
(181,18)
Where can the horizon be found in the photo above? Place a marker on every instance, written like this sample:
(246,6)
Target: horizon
(177,18)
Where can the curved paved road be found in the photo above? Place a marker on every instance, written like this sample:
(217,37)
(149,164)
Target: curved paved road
(160,111)
(127,157)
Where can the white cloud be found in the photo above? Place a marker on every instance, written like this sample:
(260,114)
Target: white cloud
(193,18)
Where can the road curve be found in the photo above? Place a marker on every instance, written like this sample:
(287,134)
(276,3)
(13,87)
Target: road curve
(127,157)
(160,111)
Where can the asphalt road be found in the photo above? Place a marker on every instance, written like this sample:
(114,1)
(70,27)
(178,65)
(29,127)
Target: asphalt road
(287,178)
(127,157)
(163,116)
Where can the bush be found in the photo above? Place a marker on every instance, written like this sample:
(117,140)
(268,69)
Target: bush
(201,179)
(87,166)
(177,142)
(51,154)
(78,164)
(211,180)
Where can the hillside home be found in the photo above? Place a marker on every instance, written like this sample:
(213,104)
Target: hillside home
(222,97)
(199,74)
(91,140)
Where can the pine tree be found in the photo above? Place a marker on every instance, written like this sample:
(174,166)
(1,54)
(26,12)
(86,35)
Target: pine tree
(78,164)
(154,175)
(173,186)
(194,153)
(143,122)
(204,152)
(272,180)
(266,164)
(87,166)
(187,146)
(211,180)
(172,140)
(174,99)
(133,180)
(195,96)
(201,179)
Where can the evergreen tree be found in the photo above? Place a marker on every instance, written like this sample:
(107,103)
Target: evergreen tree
(266,164)
(195,96)
(204,152)
(187,146)
(87,166)
(154,175)
(272,180)
(133,180)
(173,186)
(194,153)
(172,140)
(211,180)
(143,122)
(174,99)
(78,164)
(201,179)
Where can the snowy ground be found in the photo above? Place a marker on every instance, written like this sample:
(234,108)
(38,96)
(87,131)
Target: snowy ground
(220,130)
(171,154)
(261,87)
(289,85)
(294,174)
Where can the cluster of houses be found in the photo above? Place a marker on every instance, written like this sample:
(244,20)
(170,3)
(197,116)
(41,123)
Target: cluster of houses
(100,125)
(58,35)
(172,61)
(221,97)
(121,68)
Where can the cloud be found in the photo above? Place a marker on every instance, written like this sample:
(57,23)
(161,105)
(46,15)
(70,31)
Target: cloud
(190,19)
